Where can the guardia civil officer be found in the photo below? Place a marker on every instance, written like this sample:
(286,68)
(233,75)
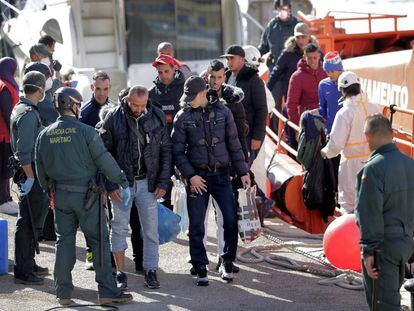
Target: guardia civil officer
(25,125)
(69,155)
(385,215)
(205,141)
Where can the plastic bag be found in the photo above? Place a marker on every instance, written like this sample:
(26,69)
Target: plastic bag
(168,224)
(248,216)
(179,201)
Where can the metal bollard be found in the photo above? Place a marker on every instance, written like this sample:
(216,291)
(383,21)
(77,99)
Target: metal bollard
(409,287)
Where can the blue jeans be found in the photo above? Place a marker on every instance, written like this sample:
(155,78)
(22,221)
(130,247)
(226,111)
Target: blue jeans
(219,187)
(148,215)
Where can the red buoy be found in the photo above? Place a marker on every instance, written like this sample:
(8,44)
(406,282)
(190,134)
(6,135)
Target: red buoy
(341,243)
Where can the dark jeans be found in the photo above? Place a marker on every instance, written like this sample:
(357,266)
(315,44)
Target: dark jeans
(5,153)
(136,239)
(24,253)
(290,133)
(220,188)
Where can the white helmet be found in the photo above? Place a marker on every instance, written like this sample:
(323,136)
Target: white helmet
(346,79)
(252,55)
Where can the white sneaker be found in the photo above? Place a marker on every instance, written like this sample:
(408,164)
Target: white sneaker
(9,208)
(226,270)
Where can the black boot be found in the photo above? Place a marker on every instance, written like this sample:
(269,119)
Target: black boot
(151,279)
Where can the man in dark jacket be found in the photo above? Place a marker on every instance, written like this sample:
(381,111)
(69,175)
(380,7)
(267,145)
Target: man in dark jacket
(135,133)
(204,143)
(279,29)
(101,86)
(245,77)
(168,88)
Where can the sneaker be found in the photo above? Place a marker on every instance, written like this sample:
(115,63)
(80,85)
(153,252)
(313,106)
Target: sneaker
(121,298)
(235,268)
(9,208)
(38,270)
(226,270)
(65,301)
(29,279)
(202,277)
(89,261)
(151,279)
(121,281)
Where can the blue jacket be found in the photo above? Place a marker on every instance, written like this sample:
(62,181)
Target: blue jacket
(329,96)
(90,112)
(206,137)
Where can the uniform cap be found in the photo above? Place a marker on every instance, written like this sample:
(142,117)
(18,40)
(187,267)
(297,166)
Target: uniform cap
(38,66)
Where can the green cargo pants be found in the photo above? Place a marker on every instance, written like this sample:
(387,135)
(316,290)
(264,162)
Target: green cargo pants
(395,253)
(69,215)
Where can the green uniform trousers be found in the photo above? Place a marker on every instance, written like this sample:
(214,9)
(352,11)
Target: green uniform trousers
(69,215)
(395,254)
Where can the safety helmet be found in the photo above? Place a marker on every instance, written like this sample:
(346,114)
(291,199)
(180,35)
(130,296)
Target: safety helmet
(65,97)
(346,79)
(252,55)
(280,3)
(38,66)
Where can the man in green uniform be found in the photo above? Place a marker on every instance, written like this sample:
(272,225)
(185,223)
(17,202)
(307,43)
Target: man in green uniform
(25,125)
(69,154)
(385,215)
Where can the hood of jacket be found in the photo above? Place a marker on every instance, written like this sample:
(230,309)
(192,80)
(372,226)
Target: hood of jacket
(245,73)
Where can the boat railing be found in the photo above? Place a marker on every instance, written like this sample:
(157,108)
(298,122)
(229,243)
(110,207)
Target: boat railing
(327,24)
(407,144)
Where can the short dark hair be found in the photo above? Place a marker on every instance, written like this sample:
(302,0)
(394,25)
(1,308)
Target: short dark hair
(138,90)
(100,75)
(47,40)
(378,125)
(215,65)
(310,48)
(352,90)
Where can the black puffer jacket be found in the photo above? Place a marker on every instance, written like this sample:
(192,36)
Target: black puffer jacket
(254,102)
(122,143)
(233,97)
(206,137)
(167,98)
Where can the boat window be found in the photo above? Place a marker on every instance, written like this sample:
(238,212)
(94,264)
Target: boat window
(193,26)
(52,28)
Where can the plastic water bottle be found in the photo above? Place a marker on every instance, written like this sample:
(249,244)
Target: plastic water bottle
(4,252)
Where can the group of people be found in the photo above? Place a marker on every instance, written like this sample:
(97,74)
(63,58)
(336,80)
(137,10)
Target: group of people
(206,130)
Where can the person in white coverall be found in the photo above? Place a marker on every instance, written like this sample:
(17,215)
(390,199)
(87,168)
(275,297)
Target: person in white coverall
(347,137)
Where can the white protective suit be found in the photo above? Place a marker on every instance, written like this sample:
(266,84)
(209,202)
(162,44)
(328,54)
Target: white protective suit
(348,139)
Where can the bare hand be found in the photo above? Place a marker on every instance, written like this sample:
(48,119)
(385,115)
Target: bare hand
(115,195)
(199,184)
(255,145)
(369,265)
(246,181)
(159,193)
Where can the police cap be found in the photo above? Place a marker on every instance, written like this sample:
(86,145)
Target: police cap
(38,66)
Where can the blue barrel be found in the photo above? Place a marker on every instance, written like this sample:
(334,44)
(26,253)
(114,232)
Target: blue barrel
(4,252)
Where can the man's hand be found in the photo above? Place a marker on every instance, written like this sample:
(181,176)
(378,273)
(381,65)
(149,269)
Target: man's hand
(369,265)
(115,195)
(159,193)
(199,184)
(255,145)
(245,179)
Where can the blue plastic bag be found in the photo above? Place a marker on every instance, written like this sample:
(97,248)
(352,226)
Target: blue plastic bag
(168,224)
(179,200)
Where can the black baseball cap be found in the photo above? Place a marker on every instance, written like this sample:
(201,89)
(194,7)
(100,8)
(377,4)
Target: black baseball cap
(192,86)
(234,50)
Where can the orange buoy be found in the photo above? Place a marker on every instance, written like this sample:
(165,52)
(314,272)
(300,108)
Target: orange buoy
(341,243)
